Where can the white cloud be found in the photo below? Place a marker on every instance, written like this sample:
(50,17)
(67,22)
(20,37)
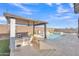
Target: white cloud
(58,3)
(71,5)
(61,10)
(2,20)
(49,4)
(54,17)
(21,6)
(66,17)
(24,9)
(68,20)
(29,13)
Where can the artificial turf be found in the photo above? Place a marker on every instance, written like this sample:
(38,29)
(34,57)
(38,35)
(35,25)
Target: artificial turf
(4,48)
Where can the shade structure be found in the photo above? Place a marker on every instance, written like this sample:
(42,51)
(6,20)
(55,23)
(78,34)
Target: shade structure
(22,20)
(13,20)
(25,21)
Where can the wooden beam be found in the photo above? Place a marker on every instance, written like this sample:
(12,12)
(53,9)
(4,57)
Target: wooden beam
(39,24)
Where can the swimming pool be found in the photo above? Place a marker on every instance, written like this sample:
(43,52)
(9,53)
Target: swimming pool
(53,36)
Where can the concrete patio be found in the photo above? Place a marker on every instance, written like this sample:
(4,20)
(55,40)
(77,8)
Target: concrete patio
(67,45)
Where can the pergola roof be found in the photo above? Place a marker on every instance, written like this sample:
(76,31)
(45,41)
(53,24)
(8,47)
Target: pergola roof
(21,20)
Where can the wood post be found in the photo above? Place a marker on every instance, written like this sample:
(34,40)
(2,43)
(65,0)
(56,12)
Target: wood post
(45,31)
(33,29)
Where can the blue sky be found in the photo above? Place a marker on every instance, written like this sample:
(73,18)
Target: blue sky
(58,15)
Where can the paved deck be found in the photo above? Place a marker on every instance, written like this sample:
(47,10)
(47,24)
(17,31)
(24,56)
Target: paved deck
(67,45)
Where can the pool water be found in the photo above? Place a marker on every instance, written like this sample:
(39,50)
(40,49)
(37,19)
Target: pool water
(54,36)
